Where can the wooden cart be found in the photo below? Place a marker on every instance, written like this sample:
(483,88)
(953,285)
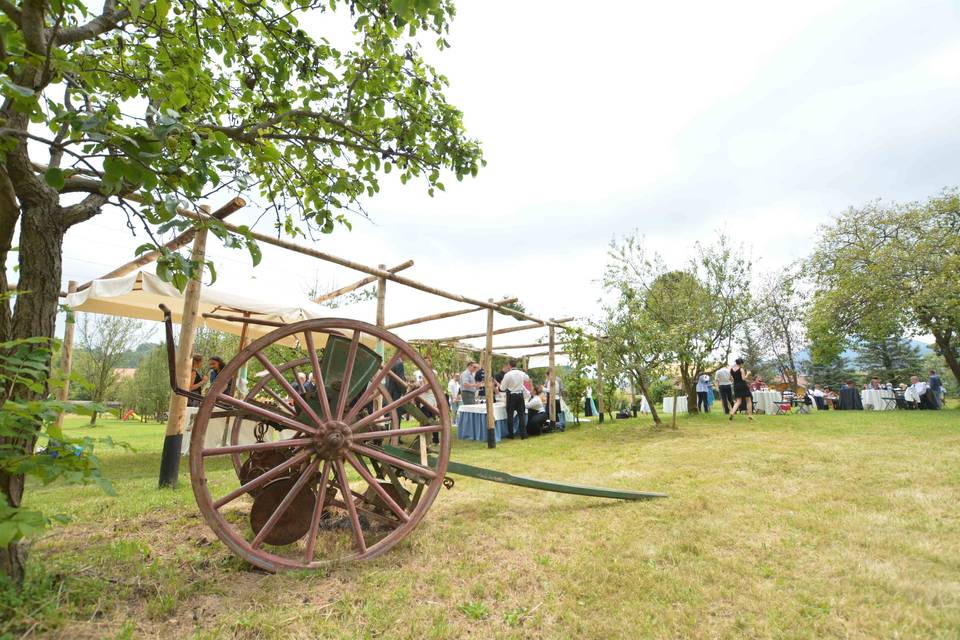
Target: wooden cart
(351,447)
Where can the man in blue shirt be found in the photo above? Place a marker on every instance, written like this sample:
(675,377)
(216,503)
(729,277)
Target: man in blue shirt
(936,388)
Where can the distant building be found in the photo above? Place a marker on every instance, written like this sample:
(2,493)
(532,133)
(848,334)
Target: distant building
(124,373)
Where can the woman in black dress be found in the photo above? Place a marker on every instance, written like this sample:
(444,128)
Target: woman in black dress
(741,390)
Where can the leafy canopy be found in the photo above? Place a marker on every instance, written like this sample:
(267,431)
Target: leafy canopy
(178,100)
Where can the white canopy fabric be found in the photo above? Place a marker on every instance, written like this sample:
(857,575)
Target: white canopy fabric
(140,294)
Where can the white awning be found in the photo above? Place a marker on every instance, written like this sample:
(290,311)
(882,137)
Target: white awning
(140,294)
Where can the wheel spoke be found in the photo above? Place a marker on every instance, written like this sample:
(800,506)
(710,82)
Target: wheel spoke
(296,397)
(280,401)
(257,446)
(317,376)
(267,414)
(347,374)
(402,400)
(383,456)
(362,470)
(317,513)
(389,433)
(285,503)
(372,388)
(263,479)
(351,507)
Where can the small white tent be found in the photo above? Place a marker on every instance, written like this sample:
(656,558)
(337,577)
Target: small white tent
(140,294)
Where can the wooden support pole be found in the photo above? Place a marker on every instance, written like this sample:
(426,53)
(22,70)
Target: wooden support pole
(553,381)
(488,384)
(361,283)
(527,346)
(170,459)
(445,314)
(66,357)
(523,327)
(601,405)
(544,353)
(181,240)
(356,266)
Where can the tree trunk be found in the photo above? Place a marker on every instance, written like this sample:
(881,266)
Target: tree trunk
(944,343)
(93,419)
(689,388)
(646,394)
(35,313)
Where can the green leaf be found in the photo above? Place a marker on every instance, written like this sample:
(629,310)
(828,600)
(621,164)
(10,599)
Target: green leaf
(55,178)
(255,253)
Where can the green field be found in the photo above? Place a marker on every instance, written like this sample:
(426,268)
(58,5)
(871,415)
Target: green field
(842,525)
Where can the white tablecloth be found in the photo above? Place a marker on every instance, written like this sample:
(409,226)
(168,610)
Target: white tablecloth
(500,410)
(644,405)
(218,432)
(878,399)
(681,404)
(766,401)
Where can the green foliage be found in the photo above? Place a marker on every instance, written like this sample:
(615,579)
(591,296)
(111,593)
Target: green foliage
(148,391)
(26,414)
(474,610)
(684,316)
(892,359)
(582,356)
(889,270)
(831,373)
(178,100)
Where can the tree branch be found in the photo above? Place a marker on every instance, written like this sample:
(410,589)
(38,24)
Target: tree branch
(84,210)
(11,10)
(108,20)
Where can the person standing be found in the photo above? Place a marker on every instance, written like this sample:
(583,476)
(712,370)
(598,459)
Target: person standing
(703,389)
(936,387)
(725,384)
(199,380)
(216,365)
(469,384)
(741,390)
(512,386)
(453,393)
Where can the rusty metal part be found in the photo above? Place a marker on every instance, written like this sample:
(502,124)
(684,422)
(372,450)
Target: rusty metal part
(259,462)
(295,521)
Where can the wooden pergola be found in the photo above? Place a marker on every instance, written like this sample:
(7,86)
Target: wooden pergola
(379,275)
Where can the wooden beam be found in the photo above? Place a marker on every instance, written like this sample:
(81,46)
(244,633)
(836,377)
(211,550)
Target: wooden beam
(497,332)
(181,240)
(445,314)
(488,384)
(527,346)
(544,353)
(66,357)
(356,266)
(361,283)
(170,458)
(553,381)
(600,403)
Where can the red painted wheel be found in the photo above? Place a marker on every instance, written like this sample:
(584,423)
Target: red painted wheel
(327,490)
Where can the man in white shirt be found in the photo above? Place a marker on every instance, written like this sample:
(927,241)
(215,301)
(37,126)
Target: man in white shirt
(724,382)
(469,384)
(512,386)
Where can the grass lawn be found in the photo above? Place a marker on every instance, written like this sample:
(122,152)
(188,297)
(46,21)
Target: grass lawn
(830,525)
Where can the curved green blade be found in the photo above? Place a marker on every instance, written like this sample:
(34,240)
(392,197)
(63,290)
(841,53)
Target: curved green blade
(491,475)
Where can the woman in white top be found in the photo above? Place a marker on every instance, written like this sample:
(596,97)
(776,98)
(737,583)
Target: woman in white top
(536,413)
(453,395)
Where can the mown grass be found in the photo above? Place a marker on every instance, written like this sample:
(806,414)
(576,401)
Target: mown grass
(831,525)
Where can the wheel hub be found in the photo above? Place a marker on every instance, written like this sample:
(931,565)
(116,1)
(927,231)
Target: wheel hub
(332,439)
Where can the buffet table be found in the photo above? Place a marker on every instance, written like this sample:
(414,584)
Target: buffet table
(681,404)
(472,422)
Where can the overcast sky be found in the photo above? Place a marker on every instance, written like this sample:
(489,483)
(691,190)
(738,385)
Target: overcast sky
(676,119)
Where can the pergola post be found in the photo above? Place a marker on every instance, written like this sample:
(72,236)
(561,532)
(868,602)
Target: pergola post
(601,405)
(552,409)
(488,383)
(66,357)
(172,443)
(381,301)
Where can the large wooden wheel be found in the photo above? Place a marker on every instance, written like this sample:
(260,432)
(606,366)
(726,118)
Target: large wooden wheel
(325,490)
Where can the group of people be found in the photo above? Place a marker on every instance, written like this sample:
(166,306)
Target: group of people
(919,394)
(203,379)
(736,390)
(525,401)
